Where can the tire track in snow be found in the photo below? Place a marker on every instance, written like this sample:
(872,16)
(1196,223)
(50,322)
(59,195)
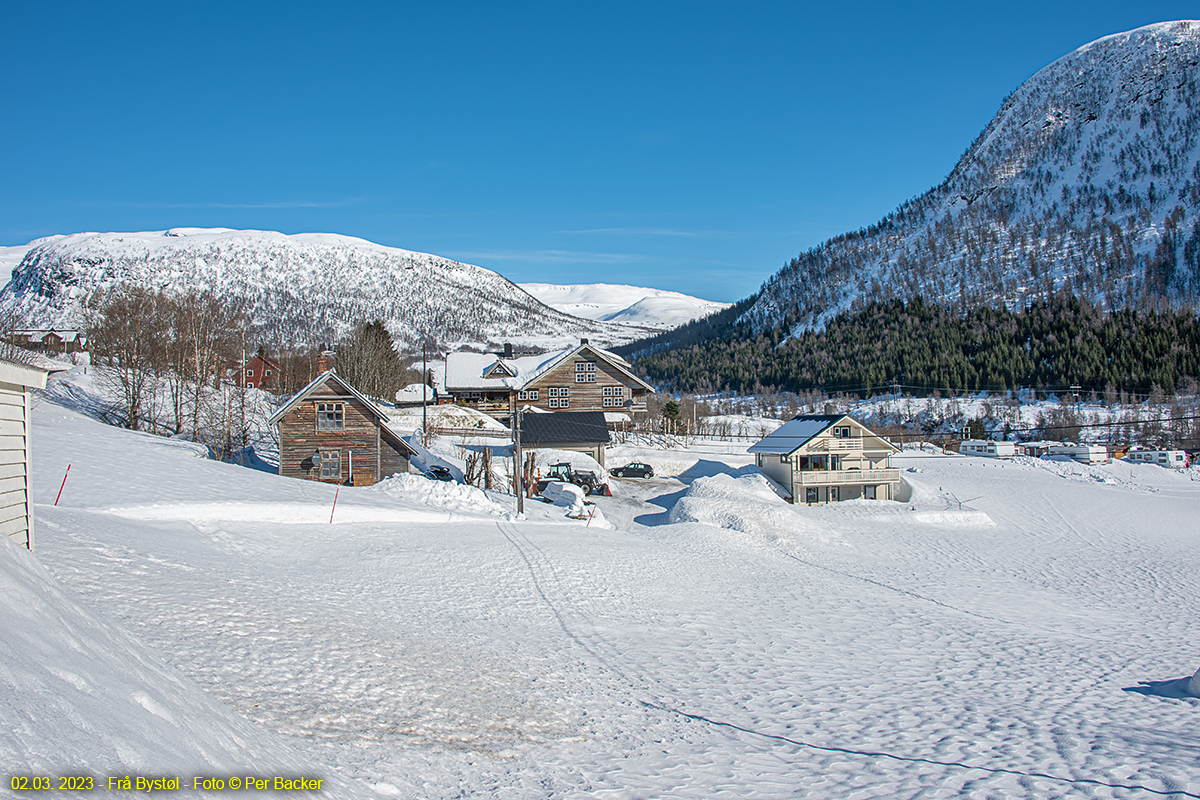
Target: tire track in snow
(918,759)
(530,553)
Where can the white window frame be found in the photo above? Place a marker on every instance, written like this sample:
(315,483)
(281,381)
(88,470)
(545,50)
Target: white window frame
(331,417)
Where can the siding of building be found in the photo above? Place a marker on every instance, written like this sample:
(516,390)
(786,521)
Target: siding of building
(358,444)
(587,395)
(16,512)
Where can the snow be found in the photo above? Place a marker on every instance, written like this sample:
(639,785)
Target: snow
(1017,629)
(629,305)
(331,282)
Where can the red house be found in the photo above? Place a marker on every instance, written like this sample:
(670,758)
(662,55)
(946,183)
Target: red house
(260,372)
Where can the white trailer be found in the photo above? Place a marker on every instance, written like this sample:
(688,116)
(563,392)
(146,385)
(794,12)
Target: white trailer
(1173,459)
(1083,453)
(987,448)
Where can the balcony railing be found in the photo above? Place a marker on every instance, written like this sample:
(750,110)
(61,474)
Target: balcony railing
(845,476)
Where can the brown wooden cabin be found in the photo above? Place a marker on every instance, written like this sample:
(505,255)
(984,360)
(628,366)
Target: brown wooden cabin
(330,432)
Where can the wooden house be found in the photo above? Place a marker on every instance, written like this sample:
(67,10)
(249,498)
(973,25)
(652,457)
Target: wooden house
(330,432)
(584,378)
(260,372)
(16,510)
(827,458)
(580,431)
(50,342)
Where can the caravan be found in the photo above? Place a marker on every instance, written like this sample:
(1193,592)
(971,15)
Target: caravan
(1173,459)
(987,448)
(1083,453)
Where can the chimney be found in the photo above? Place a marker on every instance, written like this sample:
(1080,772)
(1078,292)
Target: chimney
(583,341)
(508,351)
(830,409)
(325,361)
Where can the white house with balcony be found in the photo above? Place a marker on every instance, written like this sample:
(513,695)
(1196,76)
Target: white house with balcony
(827,458)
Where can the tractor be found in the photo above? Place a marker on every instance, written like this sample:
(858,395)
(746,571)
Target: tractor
(584,479)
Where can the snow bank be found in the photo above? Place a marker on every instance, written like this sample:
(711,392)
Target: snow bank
(567,495)
(1193,687)
(78,693)
(457,497)
(747,504)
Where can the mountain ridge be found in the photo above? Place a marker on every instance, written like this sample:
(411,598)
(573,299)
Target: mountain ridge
(1087,179)
(308,287)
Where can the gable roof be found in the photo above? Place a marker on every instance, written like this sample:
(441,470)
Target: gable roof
(484,371)
(794,434)
(321,380)
(799,431)
(588,427)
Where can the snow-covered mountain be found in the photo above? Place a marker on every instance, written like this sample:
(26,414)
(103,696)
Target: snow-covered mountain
(629,305)
(1087,178)
(302,287)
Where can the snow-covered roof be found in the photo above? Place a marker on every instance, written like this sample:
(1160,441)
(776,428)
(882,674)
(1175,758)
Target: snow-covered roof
(794,434)
(467,371)
(415,393)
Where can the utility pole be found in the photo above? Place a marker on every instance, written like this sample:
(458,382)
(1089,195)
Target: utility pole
(518,465)
(424,391)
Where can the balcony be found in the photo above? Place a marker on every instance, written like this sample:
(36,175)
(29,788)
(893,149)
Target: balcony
(847,476)
(832,445)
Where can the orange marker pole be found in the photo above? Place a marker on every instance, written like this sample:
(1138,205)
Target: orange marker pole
(335,494)
(64,483)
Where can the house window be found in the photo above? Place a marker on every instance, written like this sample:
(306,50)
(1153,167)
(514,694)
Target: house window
(554,402)
(579,367)
(331,464)
(842,432)
(331,417)
(533,394)
(607,391)
(564,402)
(553,392)
(810,494)
(580,377)
(609,402)
(833,494)
(522,395)
(564,391)
(591,377)
(591,366)
(868,492)
(618,391)
(267,374)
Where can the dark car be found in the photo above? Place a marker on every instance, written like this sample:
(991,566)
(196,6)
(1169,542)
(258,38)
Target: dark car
(634,470)
(439,473)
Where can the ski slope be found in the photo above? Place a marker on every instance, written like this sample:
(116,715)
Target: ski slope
(1017,629)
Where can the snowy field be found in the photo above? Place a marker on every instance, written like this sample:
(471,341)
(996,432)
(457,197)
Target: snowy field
(1014,630)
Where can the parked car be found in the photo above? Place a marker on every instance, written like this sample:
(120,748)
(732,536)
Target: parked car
(634,470)
(439,473)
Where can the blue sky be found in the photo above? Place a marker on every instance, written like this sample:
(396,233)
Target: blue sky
(690,146)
